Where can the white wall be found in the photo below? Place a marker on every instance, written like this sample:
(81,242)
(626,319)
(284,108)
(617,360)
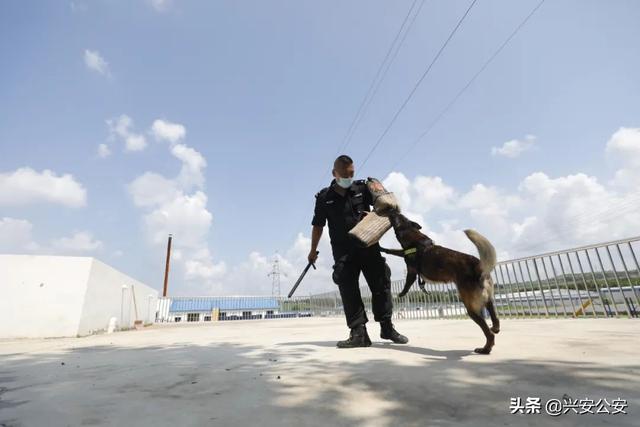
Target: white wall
(105,298)
(41,296)
(163,306)
(49,296)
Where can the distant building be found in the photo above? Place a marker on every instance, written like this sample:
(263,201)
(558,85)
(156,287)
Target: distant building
(207,309)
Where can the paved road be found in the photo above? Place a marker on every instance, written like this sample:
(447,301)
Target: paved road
(288,372)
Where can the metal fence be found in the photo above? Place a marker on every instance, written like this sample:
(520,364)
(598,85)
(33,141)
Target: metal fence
(601,280)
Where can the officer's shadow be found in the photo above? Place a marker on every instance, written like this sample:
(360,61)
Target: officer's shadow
(448,355)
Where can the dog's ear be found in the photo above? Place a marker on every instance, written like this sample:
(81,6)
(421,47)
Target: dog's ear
(416,225)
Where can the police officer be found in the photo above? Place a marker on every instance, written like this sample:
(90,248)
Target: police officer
(343,204)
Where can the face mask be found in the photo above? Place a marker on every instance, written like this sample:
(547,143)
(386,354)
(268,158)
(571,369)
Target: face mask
(344,182)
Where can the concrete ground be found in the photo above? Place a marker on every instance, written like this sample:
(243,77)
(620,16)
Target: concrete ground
(288,373)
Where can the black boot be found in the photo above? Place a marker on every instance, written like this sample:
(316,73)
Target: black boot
(388,332)
(357,338)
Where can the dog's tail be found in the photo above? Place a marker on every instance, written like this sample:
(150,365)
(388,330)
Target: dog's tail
(485,249)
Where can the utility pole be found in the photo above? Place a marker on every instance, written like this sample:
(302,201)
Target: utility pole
(166,267)
(275,278)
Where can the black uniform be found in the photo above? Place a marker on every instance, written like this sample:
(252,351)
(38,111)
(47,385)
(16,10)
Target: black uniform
(343,213)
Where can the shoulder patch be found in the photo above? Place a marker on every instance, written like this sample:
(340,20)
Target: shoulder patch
(321,192)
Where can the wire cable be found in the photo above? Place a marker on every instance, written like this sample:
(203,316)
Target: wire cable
(367,102)
(417,84)
(381,73)
(469,83)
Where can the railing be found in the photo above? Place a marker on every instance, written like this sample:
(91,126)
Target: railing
(600,280)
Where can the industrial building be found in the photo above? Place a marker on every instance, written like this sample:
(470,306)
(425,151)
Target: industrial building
(207,309)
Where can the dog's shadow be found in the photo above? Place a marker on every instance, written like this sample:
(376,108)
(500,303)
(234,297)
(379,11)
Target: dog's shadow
(448,355)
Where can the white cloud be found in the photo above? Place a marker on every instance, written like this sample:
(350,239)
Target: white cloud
(400,186)
(25,186)
(94,61)
(627,178)
(121,127)
(423,194)
(164,130)
(544,189)
(17,238)
(16,235)
(251,276)
(78,242)
(193,163)
(624,145)
(186,217)
(77,6)
(625,142)
(201,266)
(432,192)
(571,208)
(151,189)
(160,5)
(542,213)
(178,206)
(515,147)
(103,151)
(135,143)
(492,201)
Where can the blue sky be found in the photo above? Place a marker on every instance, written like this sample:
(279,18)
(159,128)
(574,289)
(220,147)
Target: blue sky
(265,92)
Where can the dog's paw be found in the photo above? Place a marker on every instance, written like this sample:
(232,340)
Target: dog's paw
(401,294)
(495,329)
(482,350)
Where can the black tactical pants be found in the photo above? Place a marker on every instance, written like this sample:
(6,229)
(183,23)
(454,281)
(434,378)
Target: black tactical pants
(346,273)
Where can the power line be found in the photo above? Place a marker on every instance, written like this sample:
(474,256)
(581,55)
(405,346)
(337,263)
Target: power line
(381,73)
(469,83)
(628,204)
(367,102)
(415,88)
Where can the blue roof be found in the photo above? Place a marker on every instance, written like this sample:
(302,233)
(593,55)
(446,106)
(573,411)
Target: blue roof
(227,303)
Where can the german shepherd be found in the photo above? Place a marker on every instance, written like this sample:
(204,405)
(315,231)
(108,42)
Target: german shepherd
(435,263)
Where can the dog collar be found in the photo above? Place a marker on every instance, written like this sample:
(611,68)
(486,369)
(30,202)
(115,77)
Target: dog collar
(410,251)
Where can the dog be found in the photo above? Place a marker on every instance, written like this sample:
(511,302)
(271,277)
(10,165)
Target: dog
(434,263)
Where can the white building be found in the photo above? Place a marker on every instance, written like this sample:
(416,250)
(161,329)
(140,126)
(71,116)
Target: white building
(55,296)
(207,309)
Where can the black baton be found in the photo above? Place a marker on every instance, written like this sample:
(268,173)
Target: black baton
(302,277)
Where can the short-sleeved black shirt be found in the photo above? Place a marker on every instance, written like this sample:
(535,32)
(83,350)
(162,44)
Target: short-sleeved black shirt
(342,213)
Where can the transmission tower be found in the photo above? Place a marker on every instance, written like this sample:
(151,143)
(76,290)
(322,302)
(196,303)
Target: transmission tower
(275,278)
